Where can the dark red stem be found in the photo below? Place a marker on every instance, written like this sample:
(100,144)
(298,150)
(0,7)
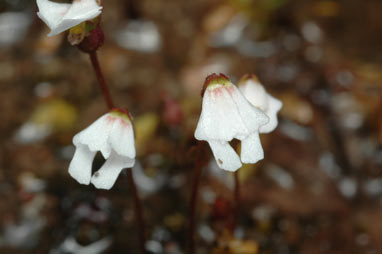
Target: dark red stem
(194,196)
(101,79)
(138,211)
(237,196)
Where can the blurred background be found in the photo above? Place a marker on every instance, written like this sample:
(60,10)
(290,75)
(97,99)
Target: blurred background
(318,189)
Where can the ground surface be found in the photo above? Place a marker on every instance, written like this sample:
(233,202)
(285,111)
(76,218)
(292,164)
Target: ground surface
(319,188)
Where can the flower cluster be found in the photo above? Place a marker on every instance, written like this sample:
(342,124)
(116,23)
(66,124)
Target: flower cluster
(228,114)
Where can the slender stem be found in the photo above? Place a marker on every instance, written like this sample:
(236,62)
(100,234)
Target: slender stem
(194,195)
(101,79)
(237,196)
(138,211)
(380,116)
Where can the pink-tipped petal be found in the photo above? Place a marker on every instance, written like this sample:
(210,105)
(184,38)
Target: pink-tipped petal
(251,149)
(225,156)
(121,138)
(219,118)
(80,167)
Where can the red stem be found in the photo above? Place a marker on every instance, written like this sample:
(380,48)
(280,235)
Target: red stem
(194,195)
(237,196)
(138,211)
(101,79)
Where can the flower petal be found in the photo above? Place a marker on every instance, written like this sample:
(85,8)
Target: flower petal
(80,167)
(108,174)
(60,16)
(83,10)
(253,117)
(251,149)
(51,13)
(80,11)
(64,25)
(274,106)
(121,138)
(219,119)
(95,136)
(255,93)
(225,156)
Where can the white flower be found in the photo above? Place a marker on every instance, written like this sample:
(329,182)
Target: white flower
(226,115)
(112,135)
(61,16)
(255,93)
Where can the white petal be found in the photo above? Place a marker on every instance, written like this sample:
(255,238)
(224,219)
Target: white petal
(108,174)
(225,156)
(80,11)
(251,149)
(83,10)
(274,106)
(252,117)
(95,136)
(64,25)
(51,13)
(121,138)
(219,119)
(80,167)
(255,93)
(60,17)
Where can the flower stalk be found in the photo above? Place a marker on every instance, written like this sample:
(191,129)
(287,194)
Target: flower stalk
(194,196)
(236,196)
(138,211)
(101,79)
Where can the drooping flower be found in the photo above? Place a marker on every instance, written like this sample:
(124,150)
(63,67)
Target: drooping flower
(256,94)
(61,16)
(113,135)
(226,115)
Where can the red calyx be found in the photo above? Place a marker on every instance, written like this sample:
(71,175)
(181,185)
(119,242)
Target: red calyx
(247,77)
(93,41)
(123,111)
(211,78)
